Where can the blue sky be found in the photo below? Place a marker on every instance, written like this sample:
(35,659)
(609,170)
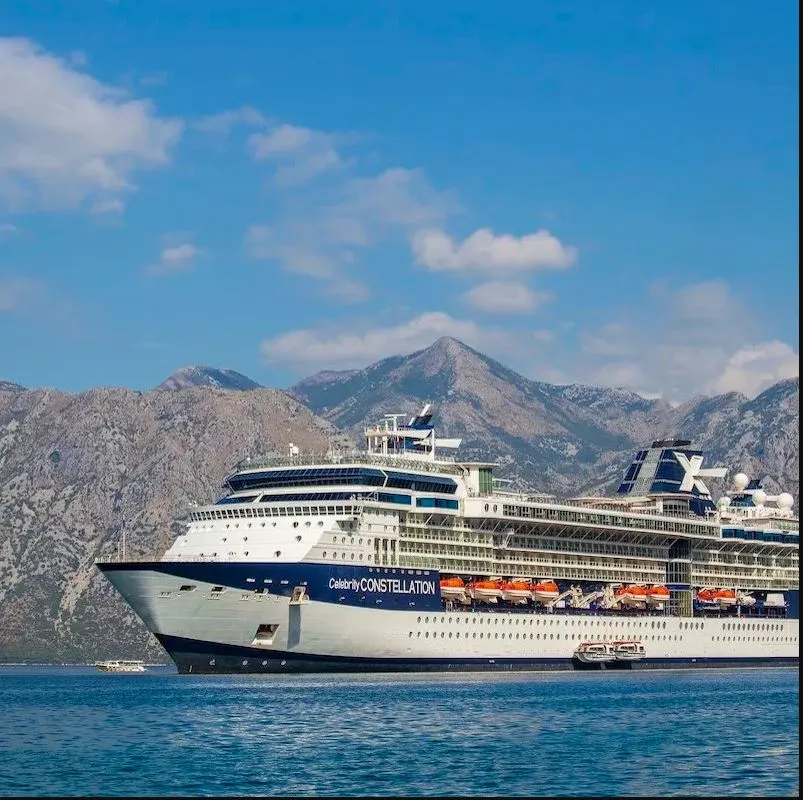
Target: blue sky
(596,193)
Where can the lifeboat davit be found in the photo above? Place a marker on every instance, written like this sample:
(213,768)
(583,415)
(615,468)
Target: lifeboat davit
(725,597)
(486,591)
(657,595)
(632,595)
(707,596)
(546,591)
(453,588)
(517,591)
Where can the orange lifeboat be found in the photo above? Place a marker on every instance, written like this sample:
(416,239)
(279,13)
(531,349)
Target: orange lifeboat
(632,595)
(657,594)
(546,591)
(486,591)
(725,597)
(517,591)
(707,596)
(453,588)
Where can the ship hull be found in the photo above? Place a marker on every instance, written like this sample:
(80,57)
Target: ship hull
(215,658)
(219,617)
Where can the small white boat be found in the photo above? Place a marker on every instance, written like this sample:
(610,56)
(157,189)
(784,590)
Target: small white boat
(631,650)
(120,665)
(595,652)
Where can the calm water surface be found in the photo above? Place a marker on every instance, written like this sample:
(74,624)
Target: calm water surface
(74,731)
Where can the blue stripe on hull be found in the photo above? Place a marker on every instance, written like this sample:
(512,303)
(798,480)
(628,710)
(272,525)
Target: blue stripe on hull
(387,588)
(197,657)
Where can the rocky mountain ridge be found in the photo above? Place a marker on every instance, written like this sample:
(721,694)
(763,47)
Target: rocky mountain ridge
(565,439)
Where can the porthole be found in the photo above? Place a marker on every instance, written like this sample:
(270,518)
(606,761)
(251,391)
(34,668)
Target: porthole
(295,524)
(324,553)
(277,553)
(298,538)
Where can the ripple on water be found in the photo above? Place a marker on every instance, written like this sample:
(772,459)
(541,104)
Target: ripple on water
(71,732)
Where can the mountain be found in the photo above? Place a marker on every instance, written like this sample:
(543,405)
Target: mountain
(7,386)
(187,377)
(543,434)
(560,439)
(73,467)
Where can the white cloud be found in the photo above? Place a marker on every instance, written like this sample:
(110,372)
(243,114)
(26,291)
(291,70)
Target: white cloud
(16,294)
(328,348)
(65,136)
(691,340)
(321,234)
(301,153)
(753,368)
(505,297)
(226,120)
(174,259)
(111,205)
(483,250)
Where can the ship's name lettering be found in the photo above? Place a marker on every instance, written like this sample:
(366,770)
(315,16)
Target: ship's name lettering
(391,585)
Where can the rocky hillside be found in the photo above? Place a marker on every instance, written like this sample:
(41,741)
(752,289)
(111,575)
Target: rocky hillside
(74,466)
(186,377)
(561,439)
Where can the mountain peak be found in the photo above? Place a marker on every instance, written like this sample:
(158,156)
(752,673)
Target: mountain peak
(187,377)
(8,386)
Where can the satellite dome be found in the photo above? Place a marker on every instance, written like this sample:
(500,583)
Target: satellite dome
(759,497)
(785,500)
(723,503)
(740,480)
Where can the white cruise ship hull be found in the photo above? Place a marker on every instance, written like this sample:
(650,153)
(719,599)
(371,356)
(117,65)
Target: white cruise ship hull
(313,618)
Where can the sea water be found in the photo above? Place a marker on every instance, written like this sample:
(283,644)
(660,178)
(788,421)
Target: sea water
(75,731)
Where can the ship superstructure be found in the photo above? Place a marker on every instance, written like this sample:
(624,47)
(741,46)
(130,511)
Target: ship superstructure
(399,556)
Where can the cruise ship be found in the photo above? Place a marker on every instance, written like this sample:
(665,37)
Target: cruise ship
(402,557)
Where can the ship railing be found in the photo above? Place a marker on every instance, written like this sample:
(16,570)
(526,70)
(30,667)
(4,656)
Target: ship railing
(156,557)
(588,503)
(441,464)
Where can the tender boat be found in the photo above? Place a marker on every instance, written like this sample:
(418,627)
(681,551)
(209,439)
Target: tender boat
(120,665)
(630,650)
(595,652)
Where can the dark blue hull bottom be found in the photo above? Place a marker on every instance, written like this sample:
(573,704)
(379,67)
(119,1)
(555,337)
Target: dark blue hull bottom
(203,658)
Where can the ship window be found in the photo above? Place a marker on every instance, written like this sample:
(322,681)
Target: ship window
(277,553)
(188,587)
(218,589)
